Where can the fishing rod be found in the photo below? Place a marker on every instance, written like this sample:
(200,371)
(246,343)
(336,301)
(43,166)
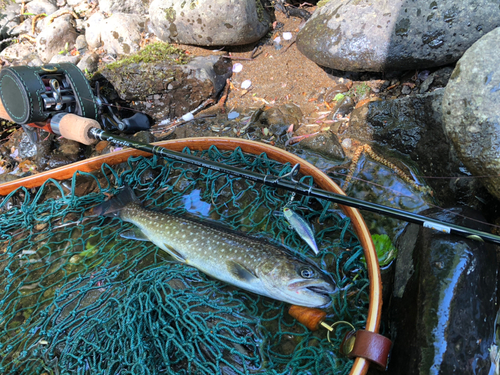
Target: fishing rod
(69,111)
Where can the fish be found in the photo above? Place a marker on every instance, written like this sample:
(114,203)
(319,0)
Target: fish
(246,262)
(303,229)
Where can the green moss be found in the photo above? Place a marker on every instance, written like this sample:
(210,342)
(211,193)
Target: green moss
(322,2)
(170,14)
(154,52)
(260,11)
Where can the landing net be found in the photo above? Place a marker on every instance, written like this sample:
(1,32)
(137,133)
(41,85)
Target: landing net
(77,298)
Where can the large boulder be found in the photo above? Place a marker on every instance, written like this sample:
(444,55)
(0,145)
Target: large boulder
(443,307)
(209,22)
(471,110)
(365,35)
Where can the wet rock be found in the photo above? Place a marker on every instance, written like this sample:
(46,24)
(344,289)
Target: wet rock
(414,126)
(437,79)
(444,300)
(394,35)
(279,119)
(54,37)
(209,22)
(471,110)
(93,30)
(326,144)
(41,6)
(167,90)
(121,33)
(124,6)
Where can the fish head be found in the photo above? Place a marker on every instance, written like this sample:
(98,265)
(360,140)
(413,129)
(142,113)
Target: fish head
(296,282)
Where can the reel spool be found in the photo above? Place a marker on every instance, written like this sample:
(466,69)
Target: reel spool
(33,94)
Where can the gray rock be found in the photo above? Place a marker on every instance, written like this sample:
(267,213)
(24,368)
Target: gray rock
(414,126)
(18,53)
(395,35)
(9,18)
(209,22)
(41,6)
(325,144)
(81,44)
(54,38)
(89,63)
(124,6)
(121,33)
(471,110)
(93,30)
(62,58)
(164,90)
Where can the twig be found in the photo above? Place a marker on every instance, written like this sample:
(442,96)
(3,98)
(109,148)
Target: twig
(286,48)
(223,98)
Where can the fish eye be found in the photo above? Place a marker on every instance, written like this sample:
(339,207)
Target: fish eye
(306,272)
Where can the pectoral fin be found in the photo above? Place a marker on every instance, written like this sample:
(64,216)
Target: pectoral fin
(241,272)
(174,253)
(134,234)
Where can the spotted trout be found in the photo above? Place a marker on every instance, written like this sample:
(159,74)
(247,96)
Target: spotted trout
(240,260)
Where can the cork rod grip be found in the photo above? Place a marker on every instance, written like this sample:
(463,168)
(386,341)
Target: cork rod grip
(77,128)
(3,112)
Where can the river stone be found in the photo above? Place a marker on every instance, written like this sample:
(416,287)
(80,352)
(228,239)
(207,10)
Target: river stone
(9,18)
(19,53)
(164,90)
(121,33)
(209,22)
(325,144)
(93,29)
(471,110)
(41,6)
(443,307)
(54,38)
(386,35)
(124,6)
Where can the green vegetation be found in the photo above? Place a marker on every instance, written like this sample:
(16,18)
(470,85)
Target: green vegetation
(386,252)
(322,2)
(154,52)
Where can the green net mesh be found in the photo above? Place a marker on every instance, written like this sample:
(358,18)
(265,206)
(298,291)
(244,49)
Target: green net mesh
(77,298)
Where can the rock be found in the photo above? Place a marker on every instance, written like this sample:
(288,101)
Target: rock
(41,6)
(54,37)
(124,6)
(326,144)
(59,58)
(9,18)
(166,89)
(121,33)
(19,53)
(394,35)
(93,29)
(471,110)
(443,306)
(209,22)
(89,63)
(81,44)
(414,126)
(280,118)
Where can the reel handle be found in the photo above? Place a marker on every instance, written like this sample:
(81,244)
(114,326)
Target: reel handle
(74,127)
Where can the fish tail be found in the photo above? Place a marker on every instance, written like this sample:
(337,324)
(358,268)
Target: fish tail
(112,207)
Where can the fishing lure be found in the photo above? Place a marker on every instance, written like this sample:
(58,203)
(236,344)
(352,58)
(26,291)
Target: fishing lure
(301,227)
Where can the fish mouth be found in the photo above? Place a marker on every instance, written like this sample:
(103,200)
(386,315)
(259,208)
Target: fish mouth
(321,289)
(318,287)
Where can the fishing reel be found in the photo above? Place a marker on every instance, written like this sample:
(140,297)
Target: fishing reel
(40,96)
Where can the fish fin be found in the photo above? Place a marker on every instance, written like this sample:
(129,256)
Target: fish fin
(241,272)
(112,207)
(134,234)
(174,253)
